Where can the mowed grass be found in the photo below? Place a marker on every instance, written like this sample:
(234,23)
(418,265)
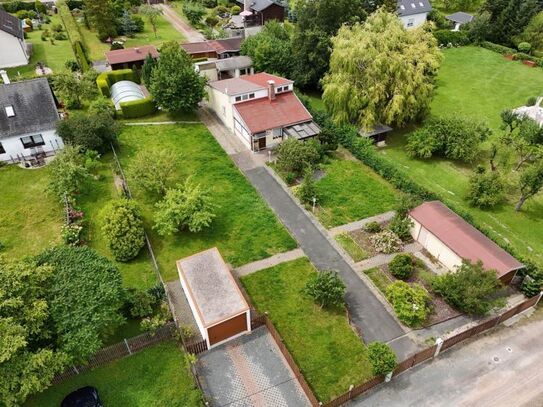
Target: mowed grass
(157,376)
(53,56)
(479,83)
(351,191)
(30,217)
(330,355)
(137,273)
(165,32)
(351,247)
(244,230)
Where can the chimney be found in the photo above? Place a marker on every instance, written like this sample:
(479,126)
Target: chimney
(271,90)
(137,50)
(5,77)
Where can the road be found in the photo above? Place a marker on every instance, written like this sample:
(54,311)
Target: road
(499,369)
(191,34)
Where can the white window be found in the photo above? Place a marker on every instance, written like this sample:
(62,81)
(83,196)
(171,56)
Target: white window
(411,22)
(247,96)
(9,111)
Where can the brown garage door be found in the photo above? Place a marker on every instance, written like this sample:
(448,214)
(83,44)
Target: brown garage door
(228,328)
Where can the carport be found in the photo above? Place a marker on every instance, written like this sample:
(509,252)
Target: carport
(218,306)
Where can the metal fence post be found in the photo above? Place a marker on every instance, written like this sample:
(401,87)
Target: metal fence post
(127,347)
(439,344)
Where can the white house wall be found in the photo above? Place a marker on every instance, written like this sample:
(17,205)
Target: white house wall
(259,94)
(418,20)
(12,51)
(14,146)
(240,130)
(220,104)
(435,247)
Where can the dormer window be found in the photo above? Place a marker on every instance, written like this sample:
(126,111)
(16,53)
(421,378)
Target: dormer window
(9,111)
(245,97)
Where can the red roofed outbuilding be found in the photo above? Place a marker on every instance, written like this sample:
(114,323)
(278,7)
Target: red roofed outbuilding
(217,49)
(130,57)
(450,239)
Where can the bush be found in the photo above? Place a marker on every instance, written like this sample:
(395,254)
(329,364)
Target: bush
(326,289)
(532,100)
(402,266)
(235,10)
(382,358)
(454,38)
(138,304)
(386,242)
(138,108)
(307,190)
(194,12)
(71,234)
(60,36)
(211,21)
(295,156)
(89,131)
(122,226)
(524,47)
(372,227)
(486,190)
(410,303)
(533,283)
(71,65)
(401,226)
(470,288)
(102,105)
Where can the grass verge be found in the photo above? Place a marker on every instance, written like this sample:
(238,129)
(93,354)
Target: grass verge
(351,247)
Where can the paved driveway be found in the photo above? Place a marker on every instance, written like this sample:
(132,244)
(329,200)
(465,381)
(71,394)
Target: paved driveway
(249,372)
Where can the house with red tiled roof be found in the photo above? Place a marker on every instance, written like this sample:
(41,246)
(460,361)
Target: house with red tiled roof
(261,110)
(129,57)
(450,240)
(214,49)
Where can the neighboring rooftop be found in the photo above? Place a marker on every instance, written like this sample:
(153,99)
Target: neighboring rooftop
(121,56)
(410,7)
(229,64)
(212,287)
(27,107)
(259,5)
(262,79)
(11,24)
(248,83)
(285,110)
(218,46)
(460,17)
(462,238)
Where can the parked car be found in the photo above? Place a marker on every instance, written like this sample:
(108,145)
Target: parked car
(83,397)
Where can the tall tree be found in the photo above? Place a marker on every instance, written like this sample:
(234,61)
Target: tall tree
(523,135)
(380,72)
(152,14)
(318,21)
(102,17)
(508,18)
(127,26)
(91,132)
(175,84)
(533,33)
(530,183)
(148,66)
(74,88)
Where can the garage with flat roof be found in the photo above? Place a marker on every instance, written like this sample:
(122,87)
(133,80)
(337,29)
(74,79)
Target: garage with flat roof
(219,308)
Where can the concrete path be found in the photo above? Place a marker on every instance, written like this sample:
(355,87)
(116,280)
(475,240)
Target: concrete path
(269,262)
(249,372)
(381,259)
(502,369)
(189,32)
(359,224)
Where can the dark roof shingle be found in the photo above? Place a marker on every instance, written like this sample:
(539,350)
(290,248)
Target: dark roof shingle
(411,7)
(11,24)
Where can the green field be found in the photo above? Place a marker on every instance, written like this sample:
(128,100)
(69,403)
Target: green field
(52,56)
(327,350)
(351,191)
(31,218)
(244,229)
(155,377)
(479,83)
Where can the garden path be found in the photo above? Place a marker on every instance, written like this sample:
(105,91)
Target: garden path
(382,259)
(359,224)
(191,34)
(269,262)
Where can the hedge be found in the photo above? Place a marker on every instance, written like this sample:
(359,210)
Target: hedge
(510,51)
(74,35)
(359,147)
(107,79)
(456,38)
(15,6)
(138,108)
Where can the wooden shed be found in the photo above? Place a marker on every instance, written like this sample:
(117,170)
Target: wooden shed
(219,308)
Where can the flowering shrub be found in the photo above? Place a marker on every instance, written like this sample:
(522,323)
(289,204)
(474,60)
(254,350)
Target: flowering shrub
(71,234)
(386,242)
(409,302)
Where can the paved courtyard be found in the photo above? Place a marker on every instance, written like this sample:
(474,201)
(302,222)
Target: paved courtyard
(249,372)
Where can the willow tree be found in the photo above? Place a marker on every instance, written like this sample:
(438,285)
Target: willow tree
(380,72)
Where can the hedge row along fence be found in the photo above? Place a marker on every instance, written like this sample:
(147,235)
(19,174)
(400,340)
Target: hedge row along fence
(129,110)
(74,35)
(513,52)
(349,138)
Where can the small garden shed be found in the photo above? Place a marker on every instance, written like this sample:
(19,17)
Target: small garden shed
(219,308)
(450,239)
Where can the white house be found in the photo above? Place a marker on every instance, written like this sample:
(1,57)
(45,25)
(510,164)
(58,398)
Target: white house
(450,239)
(28,119)
(13,48)
(413,13)
(217,304)
(261,110)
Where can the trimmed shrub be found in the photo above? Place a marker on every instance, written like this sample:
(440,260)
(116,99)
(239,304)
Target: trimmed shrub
(235,10)
(138,108)
(81,57)
(486,189)
(103,85)
(382,358)
(524,47)
(295,156)
(372,227)
(402,266)
(454,38)
(138,304)
(386,242)
(326,289)
(122,225)
(409,302)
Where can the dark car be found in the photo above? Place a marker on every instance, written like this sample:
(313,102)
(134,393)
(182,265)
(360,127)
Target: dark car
(83,397)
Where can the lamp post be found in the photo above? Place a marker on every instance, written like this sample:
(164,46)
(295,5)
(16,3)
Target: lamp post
(314,202)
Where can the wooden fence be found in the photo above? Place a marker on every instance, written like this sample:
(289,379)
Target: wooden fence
(120,350)
(430,352)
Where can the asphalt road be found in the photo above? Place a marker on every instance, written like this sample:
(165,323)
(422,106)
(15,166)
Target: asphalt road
(503,368)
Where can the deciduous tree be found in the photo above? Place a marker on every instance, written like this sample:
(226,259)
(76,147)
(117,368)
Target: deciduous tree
(102,17)
(92,132)
(380,72)
(152,14)
(326,289)
(153,169)
(74,88)
(530,183)
(68,172)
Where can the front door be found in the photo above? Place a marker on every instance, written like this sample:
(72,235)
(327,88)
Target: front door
(262,143)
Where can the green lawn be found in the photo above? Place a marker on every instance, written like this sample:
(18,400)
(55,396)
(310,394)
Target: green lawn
(351,247)
(379,278)
(53,56)
(315,98)
(162,116)
(351,191)
(98,193)
(244,230)
(30,217)
(480,83)
(157,376)
(165,32)
(330,355)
